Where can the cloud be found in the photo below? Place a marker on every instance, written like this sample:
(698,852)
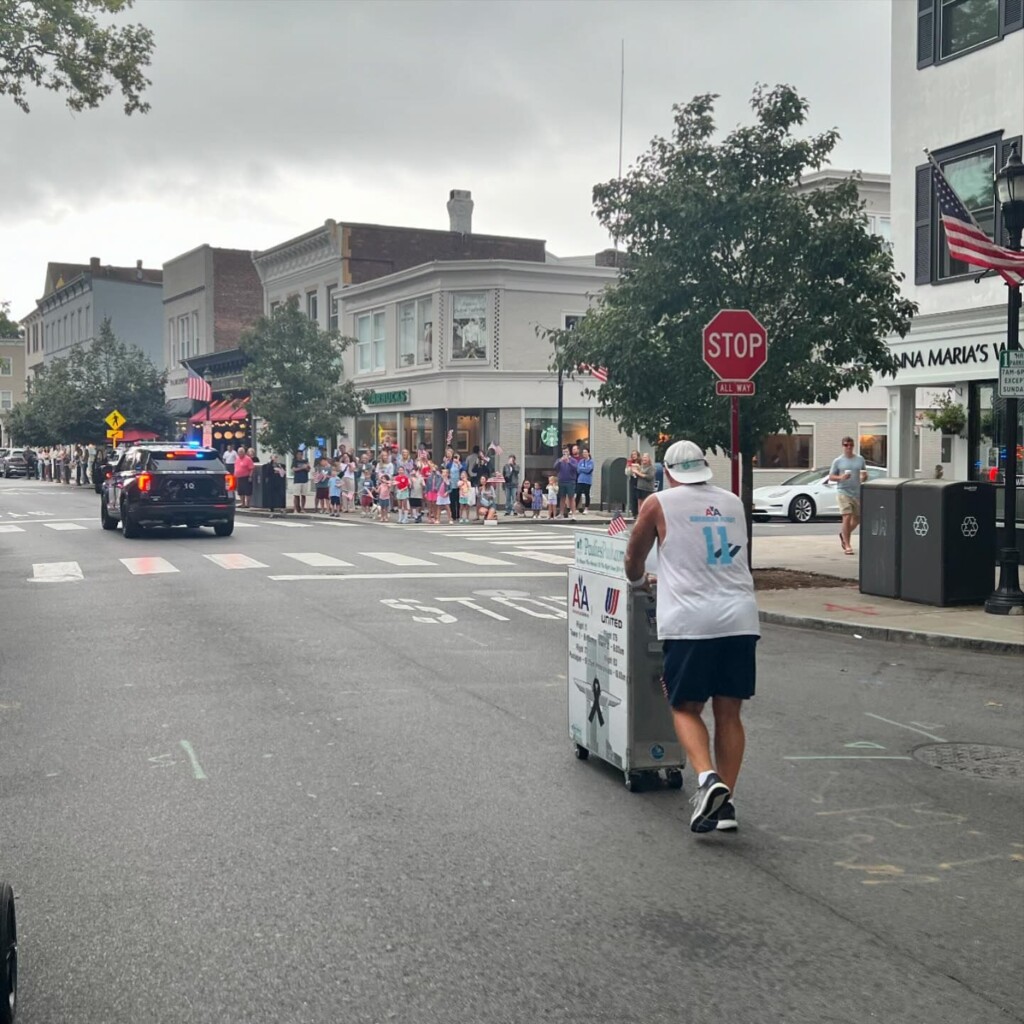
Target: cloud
(271,116)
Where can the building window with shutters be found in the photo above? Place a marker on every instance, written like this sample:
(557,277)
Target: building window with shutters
(947,29)
(969,168)
(332,307)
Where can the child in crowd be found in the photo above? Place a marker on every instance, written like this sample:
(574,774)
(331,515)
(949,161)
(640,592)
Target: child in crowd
(402,485)
(348,485)
(366,493)
(321,486)
(444,497)
(539,500)
(384,488)
(551,496)
(416,494)
(467,497)
(334,493)
(524,499)
(487,498)
(432,486)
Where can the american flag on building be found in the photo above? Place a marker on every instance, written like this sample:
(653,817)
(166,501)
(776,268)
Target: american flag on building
(199,389)
(617,525)
(599,372)
(966,241)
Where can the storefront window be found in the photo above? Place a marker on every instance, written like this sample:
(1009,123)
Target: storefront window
(469,326)
(787,451)
(543,446)
(988,436)
(418,431)
(874,444)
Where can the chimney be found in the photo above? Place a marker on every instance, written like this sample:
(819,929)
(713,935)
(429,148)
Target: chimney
(94,263)
(138,270)
(460,211)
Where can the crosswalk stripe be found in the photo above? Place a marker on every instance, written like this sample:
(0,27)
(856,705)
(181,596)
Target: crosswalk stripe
(56,572)
(245,526)
(287,525)
(541,556)
(64,526)
(471,557)
(314,558)
(394,558)
(236,561)
(148,566)
(11,528)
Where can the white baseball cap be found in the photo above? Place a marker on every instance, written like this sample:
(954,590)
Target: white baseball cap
(685,463)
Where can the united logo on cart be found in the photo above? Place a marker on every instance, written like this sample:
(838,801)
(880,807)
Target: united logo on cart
(611,604)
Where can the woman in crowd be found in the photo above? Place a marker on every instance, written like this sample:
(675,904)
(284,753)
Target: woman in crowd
(645,483)
(584,479)
(510,474)
(632,465)
(243,477)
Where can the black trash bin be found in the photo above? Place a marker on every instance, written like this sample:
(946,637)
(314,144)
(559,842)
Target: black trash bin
(880,550)
(269,490)
(948,538)
(256,498)
(613,485)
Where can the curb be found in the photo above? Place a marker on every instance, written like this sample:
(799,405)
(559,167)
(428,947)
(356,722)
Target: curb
(889,633)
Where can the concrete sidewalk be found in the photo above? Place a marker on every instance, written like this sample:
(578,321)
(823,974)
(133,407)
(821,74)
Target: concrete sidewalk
(832,609)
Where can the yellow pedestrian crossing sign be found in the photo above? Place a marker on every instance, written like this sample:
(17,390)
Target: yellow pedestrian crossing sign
(115,420)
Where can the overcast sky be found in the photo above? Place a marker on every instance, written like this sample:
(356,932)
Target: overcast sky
(269,116)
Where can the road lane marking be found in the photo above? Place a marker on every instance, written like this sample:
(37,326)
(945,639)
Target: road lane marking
(11,528)
(287,525)
(849,757)
(63,526)
(245,526)
(56,572)
(315,559)
(197,771)
(468,602)
(236,561)
(889,721)
(542,556)
(419,575)
(147,566)
(395,558)
(471,557)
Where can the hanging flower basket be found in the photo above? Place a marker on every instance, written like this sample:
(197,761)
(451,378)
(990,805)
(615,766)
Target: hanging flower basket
(948,417)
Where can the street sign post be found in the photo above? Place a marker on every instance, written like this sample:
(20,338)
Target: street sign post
(115,420)
(735,348)
(1011,373)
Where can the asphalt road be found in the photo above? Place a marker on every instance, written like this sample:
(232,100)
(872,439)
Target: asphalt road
(285,789)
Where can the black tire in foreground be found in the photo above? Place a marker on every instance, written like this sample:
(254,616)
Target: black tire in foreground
(802,509)
(105,521)
(130,529)
(224,529)
(8,956)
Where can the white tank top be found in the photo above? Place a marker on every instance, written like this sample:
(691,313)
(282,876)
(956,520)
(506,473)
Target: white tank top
(705,589)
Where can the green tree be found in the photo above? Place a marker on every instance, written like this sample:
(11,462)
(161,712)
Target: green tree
(294,376)
(62,46)
(68,398)
(8,328)
(710,225)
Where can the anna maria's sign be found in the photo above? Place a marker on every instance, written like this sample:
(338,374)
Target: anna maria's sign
(951,355)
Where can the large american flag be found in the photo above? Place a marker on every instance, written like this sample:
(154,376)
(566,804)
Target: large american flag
(600,372)
(199,389)
(966,241)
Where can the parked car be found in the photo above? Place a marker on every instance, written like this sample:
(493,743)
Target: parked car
(803,497)
(8,956)
(15,463)
(166,484)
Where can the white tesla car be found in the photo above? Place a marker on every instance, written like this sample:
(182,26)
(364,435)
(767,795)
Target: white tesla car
(803,497)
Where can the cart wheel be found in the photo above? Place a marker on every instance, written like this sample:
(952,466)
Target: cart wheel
(8,956)
(634,781)
(674,778)
(582,753)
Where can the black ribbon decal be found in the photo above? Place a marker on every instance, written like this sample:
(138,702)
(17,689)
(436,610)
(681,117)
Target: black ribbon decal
(596,709)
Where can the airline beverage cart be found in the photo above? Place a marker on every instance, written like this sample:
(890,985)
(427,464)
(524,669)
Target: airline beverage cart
(617,708)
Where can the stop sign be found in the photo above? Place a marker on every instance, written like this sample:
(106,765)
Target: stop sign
(735,344)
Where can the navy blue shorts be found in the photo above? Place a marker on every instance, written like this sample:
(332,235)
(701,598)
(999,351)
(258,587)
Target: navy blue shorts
(696,670)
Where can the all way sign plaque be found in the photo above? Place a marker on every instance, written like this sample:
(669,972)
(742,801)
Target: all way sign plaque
(737,388)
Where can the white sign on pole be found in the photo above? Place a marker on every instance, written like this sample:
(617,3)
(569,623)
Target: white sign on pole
(1011,373)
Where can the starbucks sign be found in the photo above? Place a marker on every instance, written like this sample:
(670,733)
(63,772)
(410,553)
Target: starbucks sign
(385,398)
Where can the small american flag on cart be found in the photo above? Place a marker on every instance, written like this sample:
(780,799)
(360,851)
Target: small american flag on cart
(617,525)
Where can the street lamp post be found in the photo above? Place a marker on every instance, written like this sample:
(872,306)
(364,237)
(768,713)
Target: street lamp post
(1007,598)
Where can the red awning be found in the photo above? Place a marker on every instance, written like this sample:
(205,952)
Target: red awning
(232,409)
(139,435)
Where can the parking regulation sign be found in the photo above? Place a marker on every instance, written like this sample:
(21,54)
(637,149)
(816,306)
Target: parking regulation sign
(1011,373)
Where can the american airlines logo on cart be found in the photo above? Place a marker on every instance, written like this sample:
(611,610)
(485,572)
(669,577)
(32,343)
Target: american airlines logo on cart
(580,598)
(611,604)
(711,511)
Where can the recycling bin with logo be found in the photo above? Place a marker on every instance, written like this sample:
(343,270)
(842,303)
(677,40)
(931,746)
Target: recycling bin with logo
(617,708)
(948,540)
(881,504)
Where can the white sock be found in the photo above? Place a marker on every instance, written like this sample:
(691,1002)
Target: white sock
(703,777)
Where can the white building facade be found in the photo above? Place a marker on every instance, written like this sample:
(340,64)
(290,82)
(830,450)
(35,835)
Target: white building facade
(957,91)
(456,348)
